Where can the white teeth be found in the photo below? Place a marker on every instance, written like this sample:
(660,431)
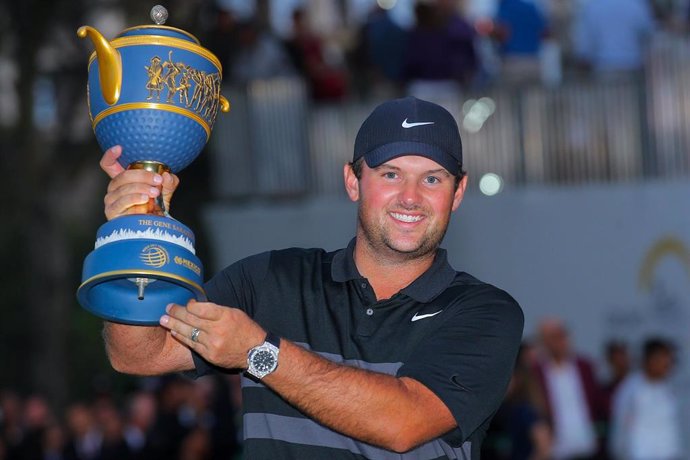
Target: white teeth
(405,217)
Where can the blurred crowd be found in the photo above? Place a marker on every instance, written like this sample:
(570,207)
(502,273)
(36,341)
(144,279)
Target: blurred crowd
(560,406)
(444,47)
(168,418)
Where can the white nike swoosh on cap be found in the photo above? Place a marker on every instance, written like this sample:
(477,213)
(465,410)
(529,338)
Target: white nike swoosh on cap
(417,316)
(405,124)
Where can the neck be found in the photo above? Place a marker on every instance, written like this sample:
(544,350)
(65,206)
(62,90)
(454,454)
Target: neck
(388,274)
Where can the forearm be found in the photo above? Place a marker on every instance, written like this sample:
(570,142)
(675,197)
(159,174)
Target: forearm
(395,413)
(141,350)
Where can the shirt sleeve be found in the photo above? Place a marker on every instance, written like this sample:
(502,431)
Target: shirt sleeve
(236,286)
(468,361)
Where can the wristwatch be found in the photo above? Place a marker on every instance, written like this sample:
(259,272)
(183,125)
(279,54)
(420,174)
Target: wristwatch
(263,359)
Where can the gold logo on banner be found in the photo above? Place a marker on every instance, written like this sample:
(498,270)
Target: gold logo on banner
(665,247)
(154,255)
(184,85)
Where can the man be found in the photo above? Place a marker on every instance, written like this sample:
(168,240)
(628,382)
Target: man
(374,349)
(574,403)
(521,27)
(646,420)
(611,36)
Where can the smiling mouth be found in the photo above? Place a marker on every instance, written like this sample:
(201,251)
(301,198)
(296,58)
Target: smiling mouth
(406,217)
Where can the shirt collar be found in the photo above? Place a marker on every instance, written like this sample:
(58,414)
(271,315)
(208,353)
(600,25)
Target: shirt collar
(424,289)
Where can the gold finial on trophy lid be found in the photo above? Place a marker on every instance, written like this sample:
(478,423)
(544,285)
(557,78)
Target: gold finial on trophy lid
(159,14)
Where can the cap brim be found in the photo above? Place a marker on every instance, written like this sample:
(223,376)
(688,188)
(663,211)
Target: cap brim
(387,152)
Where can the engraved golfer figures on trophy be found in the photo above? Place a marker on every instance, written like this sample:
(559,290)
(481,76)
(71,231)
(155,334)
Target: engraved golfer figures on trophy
(155,91)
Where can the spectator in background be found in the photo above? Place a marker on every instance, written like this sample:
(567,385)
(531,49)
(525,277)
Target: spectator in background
(171,426)
(37,419)
(53,442)
(140,417)
(114,445)
(223,40)
(610,36)
(573,398)
(260,55)
(379,55)
(440,53)
(645,422)
(197,446)
(519,430)
(618,360)
(11,426)
(520,28)
(326,81)
(84,438)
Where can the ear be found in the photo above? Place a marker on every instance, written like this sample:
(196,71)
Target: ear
(459,193)
(351,182)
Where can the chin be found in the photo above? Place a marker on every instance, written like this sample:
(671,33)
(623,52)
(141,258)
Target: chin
(412,250)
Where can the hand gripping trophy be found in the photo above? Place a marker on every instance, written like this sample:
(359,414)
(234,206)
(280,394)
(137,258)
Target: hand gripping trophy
(156,92)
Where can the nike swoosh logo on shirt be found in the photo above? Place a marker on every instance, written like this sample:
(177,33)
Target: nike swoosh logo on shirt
(417,316)
(405,124)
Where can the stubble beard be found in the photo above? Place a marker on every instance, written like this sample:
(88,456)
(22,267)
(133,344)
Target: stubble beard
(379,239)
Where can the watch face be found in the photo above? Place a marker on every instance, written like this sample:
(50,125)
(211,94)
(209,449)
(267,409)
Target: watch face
(263,361)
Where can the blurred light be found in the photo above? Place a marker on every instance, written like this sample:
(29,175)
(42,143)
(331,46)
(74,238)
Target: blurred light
(490,184)
(386,4)
(476,113)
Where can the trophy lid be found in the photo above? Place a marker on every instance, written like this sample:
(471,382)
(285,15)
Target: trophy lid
(159,14)
(160,30)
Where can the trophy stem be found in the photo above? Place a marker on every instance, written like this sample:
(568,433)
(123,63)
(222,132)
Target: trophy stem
(156,205)
(141,285)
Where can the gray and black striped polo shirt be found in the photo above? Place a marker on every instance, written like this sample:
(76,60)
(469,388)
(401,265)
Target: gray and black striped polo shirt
(448,330)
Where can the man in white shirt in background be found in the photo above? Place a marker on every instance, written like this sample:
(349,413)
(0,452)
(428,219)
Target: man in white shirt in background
(645,422)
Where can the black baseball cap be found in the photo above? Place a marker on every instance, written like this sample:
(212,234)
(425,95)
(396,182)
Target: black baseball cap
(410,126)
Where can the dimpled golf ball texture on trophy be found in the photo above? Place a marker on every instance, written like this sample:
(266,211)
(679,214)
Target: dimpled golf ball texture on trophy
(156,92)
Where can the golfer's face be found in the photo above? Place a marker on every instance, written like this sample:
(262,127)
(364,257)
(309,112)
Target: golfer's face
(405,205)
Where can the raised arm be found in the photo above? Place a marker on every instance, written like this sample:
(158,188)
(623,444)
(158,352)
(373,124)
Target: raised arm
(141,350)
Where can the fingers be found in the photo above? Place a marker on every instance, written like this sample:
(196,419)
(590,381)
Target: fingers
(205,310)
(130,191)
(109,162)
(182,320)
(225,334)
(181,325)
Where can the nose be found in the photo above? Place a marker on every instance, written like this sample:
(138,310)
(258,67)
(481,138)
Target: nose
(410,194)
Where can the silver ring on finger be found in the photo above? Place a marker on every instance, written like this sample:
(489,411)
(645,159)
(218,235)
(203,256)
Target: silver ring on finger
(195,334)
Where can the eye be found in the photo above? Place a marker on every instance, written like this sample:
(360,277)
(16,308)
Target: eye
(390,175)
(432,180)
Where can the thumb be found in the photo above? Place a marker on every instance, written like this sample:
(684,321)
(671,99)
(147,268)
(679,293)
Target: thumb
(109,162)
(170,183)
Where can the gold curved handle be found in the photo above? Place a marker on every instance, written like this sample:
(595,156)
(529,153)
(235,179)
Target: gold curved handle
(224,104)
(109,64)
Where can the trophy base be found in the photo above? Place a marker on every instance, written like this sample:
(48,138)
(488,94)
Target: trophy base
(141,264)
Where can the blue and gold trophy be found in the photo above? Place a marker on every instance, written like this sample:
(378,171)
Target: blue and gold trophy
(155,91)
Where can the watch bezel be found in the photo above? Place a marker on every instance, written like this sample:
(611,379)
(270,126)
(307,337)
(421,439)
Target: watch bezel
(269,347)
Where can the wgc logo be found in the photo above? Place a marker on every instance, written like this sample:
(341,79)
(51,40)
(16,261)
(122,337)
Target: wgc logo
(154,255)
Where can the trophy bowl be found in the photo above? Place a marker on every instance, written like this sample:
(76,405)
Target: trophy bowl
(155,91)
